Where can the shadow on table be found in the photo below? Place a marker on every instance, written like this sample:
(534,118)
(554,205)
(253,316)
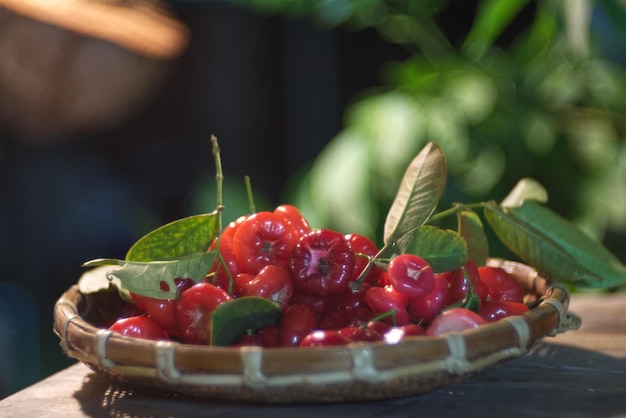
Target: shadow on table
(551,380)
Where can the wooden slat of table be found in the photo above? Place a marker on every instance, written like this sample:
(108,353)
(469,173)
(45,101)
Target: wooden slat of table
(577,374)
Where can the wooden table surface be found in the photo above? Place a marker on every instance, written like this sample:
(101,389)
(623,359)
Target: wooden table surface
(577,374)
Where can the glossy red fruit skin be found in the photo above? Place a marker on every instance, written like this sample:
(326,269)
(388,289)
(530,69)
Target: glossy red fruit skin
(321,304)
(383,280)
(386,299)
(454,320)
(293,215)
(298,321)
(139,327)
(248,340)
(349,298)
(322,263)
(447,275)
(424,309)
(354,334)
(272,282)
(221,278)
(375,330)
(459,286)
(501,286)
(412,330)
(264,238)
(240,283)
(371,332)
(481,290)
(324,338)
(492,311)
(163,311)
(346,317)
(268,335)
(396,334)
(411,275)
(363,245)
(193,311)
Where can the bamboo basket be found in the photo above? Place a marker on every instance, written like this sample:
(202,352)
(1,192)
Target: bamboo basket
(357,372)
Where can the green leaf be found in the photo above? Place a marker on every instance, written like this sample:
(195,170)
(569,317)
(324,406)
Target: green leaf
(193,234)
(471,228)
(157,278)
(525,189)
(493,17)
(555,246)
(99,279)
(95,280)
(235,317)
(444,250)
(419,193)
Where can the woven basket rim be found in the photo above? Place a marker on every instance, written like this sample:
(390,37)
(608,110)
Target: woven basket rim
(359,371)
(146,27)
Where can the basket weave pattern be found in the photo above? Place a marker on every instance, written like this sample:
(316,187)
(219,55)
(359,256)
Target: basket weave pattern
(360,371)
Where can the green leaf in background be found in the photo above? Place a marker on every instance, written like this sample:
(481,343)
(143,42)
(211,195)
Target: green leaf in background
(554,246)
(179,238)
(157,278)
(493,17)
(525,189)
(419,193)
(235,317)
(471,228)
(444,250)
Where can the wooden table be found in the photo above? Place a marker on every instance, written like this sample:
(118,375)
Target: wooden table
(577,374)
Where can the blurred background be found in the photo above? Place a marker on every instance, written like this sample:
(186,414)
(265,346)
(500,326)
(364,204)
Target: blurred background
(104,129)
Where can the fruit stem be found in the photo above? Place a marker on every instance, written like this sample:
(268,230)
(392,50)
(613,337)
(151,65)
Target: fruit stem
(252,206)
(356,284)
(471,300)
(219,179)
(390,313)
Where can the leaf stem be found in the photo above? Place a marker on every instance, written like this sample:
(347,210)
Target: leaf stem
(457,207)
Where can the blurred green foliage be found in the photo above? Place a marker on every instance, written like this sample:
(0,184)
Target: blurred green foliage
(549,104)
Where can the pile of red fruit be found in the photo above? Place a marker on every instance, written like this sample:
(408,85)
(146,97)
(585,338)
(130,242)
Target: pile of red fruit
(312,275)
